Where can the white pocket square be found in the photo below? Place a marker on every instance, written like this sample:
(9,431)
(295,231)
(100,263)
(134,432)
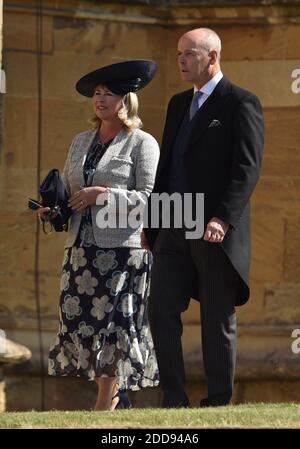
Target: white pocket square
(214,123)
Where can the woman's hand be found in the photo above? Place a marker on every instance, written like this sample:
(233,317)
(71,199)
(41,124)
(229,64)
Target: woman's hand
(43,212)
(85,197)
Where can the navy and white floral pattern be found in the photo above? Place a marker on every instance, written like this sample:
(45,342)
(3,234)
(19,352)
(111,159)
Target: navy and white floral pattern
(104,329)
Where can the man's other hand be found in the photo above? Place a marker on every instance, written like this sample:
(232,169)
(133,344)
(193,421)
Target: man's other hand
(215,230)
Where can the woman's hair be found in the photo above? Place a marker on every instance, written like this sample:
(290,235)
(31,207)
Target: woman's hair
(128,114)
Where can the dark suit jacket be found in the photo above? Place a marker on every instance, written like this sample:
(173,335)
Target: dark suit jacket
(223,162)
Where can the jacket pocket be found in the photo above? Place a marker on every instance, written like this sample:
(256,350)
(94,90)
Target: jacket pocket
(121,167)
(122,159)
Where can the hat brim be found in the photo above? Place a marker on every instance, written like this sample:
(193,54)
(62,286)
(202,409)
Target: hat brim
(120,78)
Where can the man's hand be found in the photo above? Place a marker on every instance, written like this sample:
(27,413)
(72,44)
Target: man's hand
(216,230)
(144,241)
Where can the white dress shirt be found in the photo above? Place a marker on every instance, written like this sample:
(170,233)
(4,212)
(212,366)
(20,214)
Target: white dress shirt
(208,88)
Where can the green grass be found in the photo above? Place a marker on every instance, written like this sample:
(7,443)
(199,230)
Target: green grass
(285,415)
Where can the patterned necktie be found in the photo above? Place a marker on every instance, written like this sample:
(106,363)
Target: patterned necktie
(195,103)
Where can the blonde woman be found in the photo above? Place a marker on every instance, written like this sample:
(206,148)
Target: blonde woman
(104,333)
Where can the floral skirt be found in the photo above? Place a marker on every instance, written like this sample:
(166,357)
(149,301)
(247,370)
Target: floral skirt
(104,330)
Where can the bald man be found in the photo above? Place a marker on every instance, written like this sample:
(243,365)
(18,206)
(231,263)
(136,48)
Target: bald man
(212,144)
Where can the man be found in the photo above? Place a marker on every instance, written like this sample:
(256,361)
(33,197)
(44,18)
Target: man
(212,144)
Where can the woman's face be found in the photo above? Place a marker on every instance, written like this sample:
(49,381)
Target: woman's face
(105,103)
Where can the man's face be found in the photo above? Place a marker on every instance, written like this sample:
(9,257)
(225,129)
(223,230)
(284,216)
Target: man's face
(193,60)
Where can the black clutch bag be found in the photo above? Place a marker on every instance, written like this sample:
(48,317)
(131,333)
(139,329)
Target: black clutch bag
(55,196)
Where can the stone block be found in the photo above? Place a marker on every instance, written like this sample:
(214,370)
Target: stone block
(282,134)
(263,353)
(25,393)
(291,264)
(285,166)
(20,149)
(63,69)
(253,311)
(259,42)
(270,80)
(17,295)
(192,314)
(17,244)
(279,194)
(16,185)
(282,303)
(51,253)
(2,393)
(117,39)
(20,31)
(153,119)
(268,234)
(56,135)
(16,86)
(14,353)
(273,392)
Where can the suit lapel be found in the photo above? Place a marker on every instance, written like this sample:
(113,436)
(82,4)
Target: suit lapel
(78,156)
(173,123)
(207,113)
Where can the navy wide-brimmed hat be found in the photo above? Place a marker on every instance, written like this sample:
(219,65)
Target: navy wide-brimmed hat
(120,78)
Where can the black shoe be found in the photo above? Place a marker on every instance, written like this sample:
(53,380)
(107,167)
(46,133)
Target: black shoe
(175,401)
(124,401)
(214,402)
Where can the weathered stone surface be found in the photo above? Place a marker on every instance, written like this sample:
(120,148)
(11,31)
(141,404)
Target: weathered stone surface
(270,80)
(292,250)
(282,133)
(192,314)
(109,39)
(20,32)
(259,42)
(72,67)
(16,185)
(282,303)
(268,233)
(280,391)
(20,149)
(25,86)
(14,352)
(2,393)
(254,391)
(261,357)
(153,119)
(280,195)
(17,242)
(25,393)
(253,311)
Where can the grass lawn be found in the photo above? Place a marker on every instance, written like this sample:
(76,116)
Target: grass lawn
(285,415)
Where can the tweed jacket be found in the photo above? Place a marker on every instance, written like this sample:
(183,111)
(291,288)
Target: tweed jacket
(127,169)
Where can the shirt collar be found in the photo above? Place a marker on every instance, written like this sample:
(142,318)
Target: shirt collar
(209,87)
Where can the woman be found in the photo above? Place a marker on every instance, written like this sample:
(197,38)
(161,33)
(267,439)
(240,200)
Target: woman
(104,333)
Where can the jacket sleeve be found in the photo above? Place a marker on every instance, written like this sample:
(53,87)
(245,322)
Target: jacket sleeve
(64,174)
(248,141)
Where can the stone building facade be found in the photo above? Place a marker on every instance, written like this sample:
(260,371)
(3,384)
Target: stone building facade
(261,53)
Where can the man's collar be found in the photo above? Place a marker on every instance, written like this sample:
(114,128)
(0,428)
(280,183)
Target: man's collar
(209,87)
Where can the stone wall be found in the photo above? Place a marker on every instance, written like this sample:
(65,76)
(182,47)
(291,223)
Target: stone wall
(260,51)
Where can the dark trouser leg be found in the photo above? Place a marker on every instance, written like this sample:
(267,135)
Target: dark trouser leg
(172,281)
(218,289)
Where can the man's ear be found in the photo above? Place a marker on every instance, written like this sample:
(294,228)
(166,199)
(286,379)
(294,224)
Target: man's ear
(213,56)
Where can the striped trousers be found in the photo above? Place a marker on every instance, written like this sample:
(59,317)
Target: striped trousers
(193,268)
